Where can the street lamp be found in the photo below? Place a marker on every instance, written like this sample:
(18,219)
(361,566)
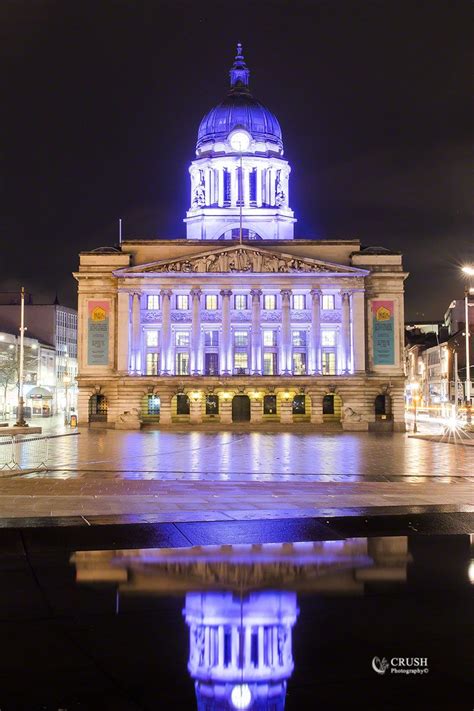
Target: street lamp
(469,270)
(414,389)
(21,404)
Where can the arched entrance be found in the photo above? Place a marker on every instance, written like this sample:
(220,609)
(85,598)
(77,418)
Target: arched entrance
(332,407)
(98,408)
(150,410)
(241,408)
(383,407)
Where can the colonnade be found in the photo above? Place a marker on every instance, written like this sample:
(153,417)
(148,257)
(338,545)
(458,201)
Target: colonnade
(350,347)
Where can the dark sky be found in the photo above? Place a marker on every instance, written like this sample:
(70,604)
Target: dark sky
(101,102)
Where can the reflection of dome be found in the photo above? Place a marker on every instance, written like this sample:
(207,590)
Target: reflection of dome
(239,109)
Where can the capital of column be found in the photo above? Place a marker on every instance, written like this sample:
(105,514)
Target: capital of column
(225,292)
(286,294)
(195,293)
(256,293)
(316,293)
(166,292)
(345,293)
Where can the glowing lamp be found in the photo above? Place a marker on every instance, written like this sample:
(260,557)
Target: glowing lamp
(241,696)
(468,270)
(286,395)
(195,396)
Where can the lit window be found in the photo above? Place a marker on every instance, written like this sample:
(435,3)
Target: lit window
(182,339)
(299,338)
(299,301)
(328,362)
(299,405)
(240,302)
(152,338)
(211,302)
(152,363)
(269,363)
(153,405)
(182,302)
(328,338)
(241,361)
(299,363)
(211,338)
(269,338)
(269,302)
(328,302)
(269,405)
(152,302)
(241,339)
(182,363)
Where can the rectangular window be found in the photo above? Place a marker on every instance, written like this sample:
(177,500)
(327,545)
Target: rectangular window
(328,363)
(241,339)
(152,363)
(211,364)
(211,302)
(299,339)
(269,405)
(212,405)
(211,338)
(299,301)
(328,338)
(152,302)
(182,339)
(269,302)
(299,363)
(182,302)
(299,405)
(182,363)
(328,302)
(269,363)
(151,338)
(241,361)
(182,404)
(269,338)
(153,405)
(240,302)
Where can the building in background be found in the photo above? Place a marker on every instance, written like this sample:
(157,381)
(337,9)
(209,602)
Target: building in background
(39,376)
(241,321)
(54,326)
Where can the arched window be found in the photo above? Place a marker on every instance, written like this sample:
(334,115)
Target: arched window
(182,404)
(299,405)
(212,405)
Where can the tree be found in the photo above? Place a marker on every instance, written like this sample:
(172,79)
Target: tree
(10,370)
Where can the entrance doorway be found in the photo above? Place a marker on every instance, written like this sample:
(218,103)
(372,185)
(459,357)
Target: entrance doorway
(98,408)
(332,407)
(241,408)
(383,407)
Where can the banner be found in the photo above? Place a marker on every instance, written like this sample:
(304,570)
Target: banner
(383,332)
(98,332)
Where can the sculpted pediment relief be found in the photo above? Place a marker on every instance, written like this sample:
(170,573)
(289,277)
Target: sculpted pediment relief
(239,258)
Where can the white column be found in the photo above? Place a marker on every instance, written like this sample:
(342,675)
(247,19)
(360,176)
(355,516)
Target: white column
(358,331)
(234,185)
(258,180)
(166,332)
(256,357)
(136,365)
(346,331)
(196,331)
(315,346)
(220,646)
(123,327)
(246,186)
(207,186)
(260,646)
(225,355)
(220,178)
(285,348)
(272,172)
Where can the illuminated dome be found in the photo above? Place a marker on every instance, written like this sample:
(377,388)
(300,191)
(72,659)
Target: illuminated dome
(239,109)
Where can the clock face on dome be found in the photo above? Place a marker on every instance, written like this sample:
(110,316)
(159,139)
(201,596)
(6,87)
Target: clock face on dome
(239,140)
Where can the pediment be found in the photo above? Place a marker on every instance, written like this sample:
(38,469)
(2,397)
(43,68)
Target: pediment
(240,258)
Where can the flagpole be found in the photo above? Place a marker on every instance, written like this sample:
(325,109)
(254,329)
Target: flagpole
(20,410)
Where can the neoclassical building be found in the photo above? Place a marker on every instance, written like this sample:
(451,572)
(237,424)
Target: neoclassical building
(241,321)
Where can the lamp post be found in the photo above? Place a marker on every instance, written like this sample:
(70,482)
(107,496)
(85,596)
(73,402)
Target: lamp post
(21,405)
(469,270)
(414,389)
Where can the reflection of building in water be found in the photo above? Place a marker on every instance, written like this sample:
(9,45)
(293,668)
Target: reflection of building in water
(240,654)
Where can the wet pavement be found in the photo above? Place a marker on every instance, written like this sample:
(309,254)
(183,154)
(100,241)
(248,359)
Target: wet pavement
(132,618)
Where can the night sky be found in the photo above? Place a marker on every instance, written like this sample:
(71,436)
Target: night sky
(101,102)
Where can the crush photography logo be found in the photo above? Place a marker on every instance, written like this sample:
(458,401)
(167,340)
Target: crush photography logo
(401,665)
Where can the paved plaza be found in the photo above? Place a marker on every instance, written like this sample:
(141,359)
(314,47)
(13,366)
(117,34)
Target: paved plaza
(172,476)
